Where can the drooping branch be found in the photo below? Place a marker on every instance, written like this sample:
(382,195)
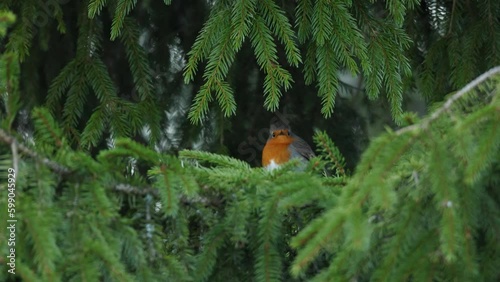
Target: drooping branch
(447,105)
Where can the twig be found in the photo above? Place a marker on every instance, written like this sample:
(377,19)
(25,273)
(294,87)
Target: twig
(147,190)
(125,188)
(129,189)
(425,123)
(11,140)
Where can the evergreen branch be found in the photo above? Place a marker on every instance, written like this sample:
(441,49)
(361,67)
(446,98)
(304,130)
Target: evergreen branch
(9,87)
(449,103)
(120,114)
(221,57)
(168,191)
(272,90)
(347,38)
(327,67)
(123,8)
(397,9)
(220,60)
(322,24)
(310,63)
(225,97)
(278,22)
(46,127)
(60,83)
(266,53)
(75,103)
(241,18)
(204,41)
(89,38)
(177,270)
(101,82)
(332,153)
(126,148)
(303,21)
(153,118)
(103,251)
(237,218)
(358,230)
(263,44)
(223,161)
(137,59)
(395,245)
(390,76)
(59,16)
(94,128)
(315,237)
(95,7)
(39,223)
(268,261)
(21,37)
(199,107)
(484,155)
(446,199)
(206,260)
(9,139)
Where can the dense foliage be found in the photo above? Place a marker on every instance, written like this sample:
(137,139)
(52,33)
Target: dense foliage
(115,183)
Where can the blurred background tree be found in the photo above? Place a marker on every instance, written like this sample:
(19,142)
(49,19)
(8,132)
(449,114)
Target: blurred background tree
(209,75)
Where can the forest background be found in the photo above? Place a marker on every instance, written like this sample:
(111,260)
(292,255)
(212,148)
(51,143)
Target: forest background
(134,131)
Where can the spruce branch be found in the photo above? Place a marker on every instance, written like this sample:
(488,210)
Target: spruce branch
(447,105)
(330,152)
(95,7)
(9,139)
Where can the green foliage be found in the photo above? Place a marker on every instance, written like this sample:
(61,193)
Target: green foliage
(123,8)
(421,204)
(331,153)
(95,7)
(220,39)
(412,197)
(457,54)
(22,35)
(6,19)
(417,206)
(334,39)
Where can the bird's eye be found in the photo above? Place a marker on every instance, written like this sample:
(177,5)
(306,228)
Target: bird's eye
(288,133)
(273,134)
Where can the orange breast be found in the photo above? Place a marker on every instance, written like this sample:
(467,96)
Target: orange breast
(276,150)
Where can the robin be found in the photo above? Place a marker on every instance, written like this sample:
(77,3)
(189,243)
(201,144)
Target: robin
(283,145)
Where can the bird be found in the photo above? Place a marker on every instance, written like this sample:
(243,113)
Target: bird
(283,145)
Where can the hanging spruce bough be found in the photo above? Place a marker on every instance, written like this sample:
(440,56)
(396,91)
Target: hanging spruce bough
(334,35)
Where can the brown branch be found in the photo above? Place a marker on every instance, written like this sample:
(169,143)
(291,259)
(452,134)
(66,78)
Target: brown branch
(129,189)
(124,188)
(11,140)
(147,190)
(425,122)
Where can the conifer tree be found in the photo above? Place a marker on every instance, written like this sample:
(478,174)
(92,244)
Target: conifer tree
(99,198)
